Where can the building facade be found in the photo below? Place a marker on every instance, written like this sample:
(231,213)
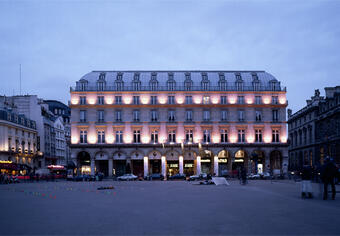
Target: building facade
(18,142)
(314,131)
(172,122)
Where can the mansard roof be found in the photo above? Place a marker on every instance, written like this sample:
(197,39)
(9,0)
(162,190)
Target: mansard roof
(179,76)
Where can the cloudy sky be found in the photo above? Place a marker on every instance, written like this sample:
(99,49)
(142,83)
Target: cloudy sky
(56,42)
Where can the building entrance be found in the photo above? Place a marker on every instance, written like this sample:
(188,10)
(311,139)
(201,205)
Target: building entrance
(189,167)
(155,166)
(119,167)
(102,166)
(138,167)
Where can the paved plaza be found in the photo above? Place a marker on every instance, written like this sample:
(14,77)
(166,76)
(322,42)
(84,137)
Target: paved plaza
(165,208)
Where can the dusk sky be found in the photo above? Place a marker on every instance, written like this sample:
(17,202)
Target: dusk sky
(57,42)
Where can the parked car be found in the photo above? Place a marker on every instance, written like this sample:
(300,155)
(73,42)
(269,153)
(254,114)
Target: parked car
(127,177)
(265,175)
(254,176)
(197,177)
(154,176)
(177,176)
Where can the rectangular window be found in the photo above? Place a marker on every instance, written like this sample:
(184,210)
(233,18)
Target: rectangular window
(100,100)
(82,100)
(224,100)
(118,100)
(206,115)
(258,135)
(188,99)
(136,100)
(172,136)
(275,136)
(241,115)
(153,100)
(275,115)
(258,115)
(240,99)
(241,135)
(206,100)
(136,136)
(171,99)
(171,115)
(154,136)
(101,136)
(188,115)
(83,136)
(118,116)
(258,100)
(275,100)
(119,136)
(206,136)
(136,115)
(224,115)
(224,136)
(189,136)
(154,116)
(100,116)
(82,116)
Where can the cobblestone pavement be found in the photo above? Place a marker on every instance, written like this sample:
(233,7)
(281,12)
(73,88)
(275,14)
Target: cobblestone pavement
(165,208)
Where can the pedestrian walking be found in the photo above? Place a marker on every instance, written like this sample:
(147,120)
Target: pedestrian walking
(328,173)
(306,182)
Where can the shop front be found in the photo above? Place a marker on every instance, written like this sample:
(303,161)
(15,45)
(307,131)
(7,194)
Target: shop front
(172,167)
(155,163)
(138,167)
(189,167)
(223,157)
(102,163)
(83,163)
(239,162)
(8,167)
(119,164)
(206,162)
(257,162)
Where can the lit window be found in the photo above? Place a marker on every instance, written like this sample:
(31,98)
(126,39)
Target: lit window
(206,100)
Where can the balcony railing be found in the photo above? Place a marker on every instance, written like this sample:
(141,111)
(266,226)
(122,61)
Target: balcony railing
(178,88)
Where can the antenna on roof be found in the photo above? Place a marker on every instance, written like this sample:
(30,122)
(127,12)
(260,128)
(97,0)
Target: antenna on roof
(20,78)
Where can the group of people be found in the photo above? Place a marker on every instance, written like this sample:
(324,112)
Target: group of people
(7,179)
(328,174)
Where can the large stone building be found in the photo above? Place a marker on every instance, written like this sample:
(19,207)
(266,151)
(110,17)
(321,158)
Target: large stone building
(314,131)
(18,142)
(178,122)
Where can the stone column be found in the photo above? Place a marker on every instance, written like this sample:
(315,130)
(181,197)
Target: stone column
(181,165)
(216,165)
(92,166)
(198,165)
(146,166)
(163,166)
(110,167)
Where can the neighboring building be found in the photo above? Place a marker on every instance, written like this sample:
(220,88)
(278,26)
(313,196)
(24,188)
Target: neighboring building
(36,109)
(178,122)
(63,130)
(314,131)
(18,142)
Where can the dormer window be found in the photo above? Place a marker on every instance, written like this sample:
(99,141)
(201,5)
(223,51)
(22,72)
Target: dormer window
(256,82)
(205,83)
(239,82)
(171,83)
(101,82)
(153,82)
(222,83)
(187,82)
(136,84)
(119,82)
(274,85)
(82,85)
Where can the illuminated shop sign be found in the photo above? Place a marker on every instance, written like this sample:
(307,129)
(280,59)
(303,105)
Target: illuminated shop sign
(205,160)
(173,165)
(5,162)
(239,160)
(222,160)
(188,165)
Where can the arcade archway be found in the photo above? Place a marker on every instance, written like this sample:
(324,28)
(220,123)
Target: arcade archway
(83,163)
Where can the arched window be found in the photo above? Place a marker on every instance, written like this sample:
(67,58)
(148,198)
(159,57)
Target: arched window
(187,82)
(171,83)
(205,83)
(239,82)
(136,84)
(222,83)
(119,82)
(101,82)
(153,82)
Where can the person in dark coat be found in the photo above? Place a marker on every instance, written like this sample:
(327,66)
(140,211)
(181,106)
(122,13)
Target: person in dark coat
(306,183)
(328,173)
(243,175)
